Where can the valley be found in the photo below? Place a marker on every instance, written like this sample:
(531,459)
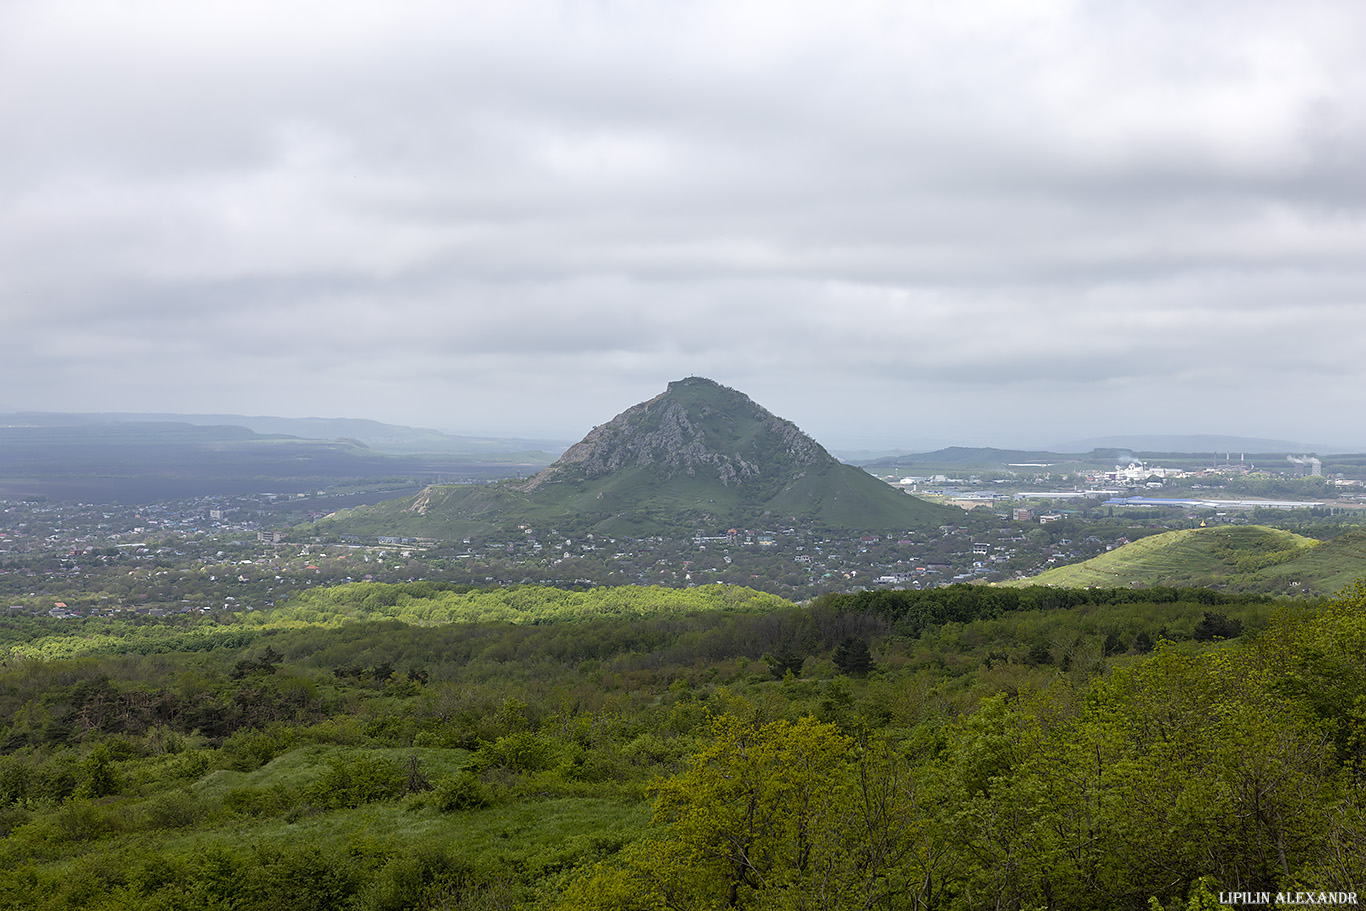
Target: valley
(982,680)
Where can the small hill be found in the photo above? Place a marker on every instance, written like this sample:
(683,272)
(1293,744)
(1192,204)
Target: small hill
(1203,443)
(1244,558)
(965,457)
(697,455)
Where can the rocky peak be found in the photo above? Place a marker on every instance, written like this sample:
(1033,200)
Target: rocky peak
(697,427)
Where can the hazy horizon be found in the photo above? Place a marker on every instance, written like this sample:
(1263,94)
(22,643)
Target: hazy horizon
(1190,443)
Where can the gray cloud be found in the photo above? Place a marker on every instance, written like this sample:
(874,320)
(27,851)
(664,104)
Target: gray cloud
(889,222)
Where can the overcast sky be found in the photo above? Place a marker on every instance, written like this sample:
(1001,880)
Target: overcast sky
(895,223)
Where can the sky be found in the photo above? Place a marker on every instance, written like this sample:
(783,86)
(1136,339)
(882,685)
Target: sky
(897,223)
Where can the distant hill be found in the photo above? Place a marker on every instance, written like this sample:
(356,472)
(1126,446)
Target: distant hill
(387,438)
(87,458)
(966,457)
(969,458)
(1252,558)
(1199,443)
(698,455)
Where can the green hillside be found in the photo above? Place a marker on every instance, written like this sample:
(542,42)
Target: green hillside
(1245,558)
(634,501)
(1327,569)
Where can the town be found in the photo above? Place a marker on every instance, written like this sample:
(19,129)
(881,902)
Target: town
(248,552)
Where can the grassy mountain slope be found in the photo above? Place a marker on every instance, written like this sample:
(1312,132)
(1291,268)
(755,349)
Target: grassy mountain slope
(1248,558)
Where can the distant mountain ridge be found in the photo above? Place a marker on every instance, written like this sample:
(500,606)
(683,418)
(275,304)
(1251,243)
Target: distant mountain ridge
(695,455)
(1201,443)
(92,458)
(984,458)
(372,434)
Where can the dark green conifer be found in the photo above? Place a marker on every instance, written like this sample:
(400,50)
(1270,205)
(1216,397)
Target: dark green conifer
(852,657)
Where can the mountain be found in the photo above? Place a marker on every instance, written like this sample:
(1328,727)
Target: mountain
(697,456)
(1252,558)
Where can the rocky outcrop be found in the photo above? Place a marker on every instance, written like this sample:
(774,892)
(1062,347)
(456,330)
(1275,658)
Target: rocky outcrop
(695,427)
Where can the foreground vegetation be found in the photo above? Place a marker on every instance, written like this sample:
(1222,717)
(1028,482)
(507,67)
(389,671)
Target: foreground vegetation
(425,746)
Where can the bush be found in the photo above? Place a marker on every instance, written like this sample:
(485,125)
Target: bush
(174,810)
(11,817)
(80,820)
(524,752)
(247,751)
(358,781)
(462,792)
(301,878)
(273,801)
(100,777)
(414,881)
(16,779)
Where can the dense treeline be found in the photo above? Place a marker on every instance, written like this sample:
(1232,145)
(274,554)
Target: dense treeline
(915,609)
(958,749)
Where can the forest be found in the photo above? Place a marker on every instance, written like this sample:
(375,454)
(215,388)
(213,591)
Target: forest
(431,746)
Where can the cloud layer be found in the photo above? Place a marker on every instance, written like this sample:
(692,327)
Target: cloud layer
(892,222)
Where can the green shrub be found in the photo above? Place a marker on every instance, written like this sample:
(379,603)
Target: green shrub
(270,877)
(99,777)
(190,764)
(11,817)
(80,820)
(261,802)
(16,778)
(651,749)
(172,810)
(523,752)
(247,751)
(154,872)
(357,781)
(461,792)
(414,880)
